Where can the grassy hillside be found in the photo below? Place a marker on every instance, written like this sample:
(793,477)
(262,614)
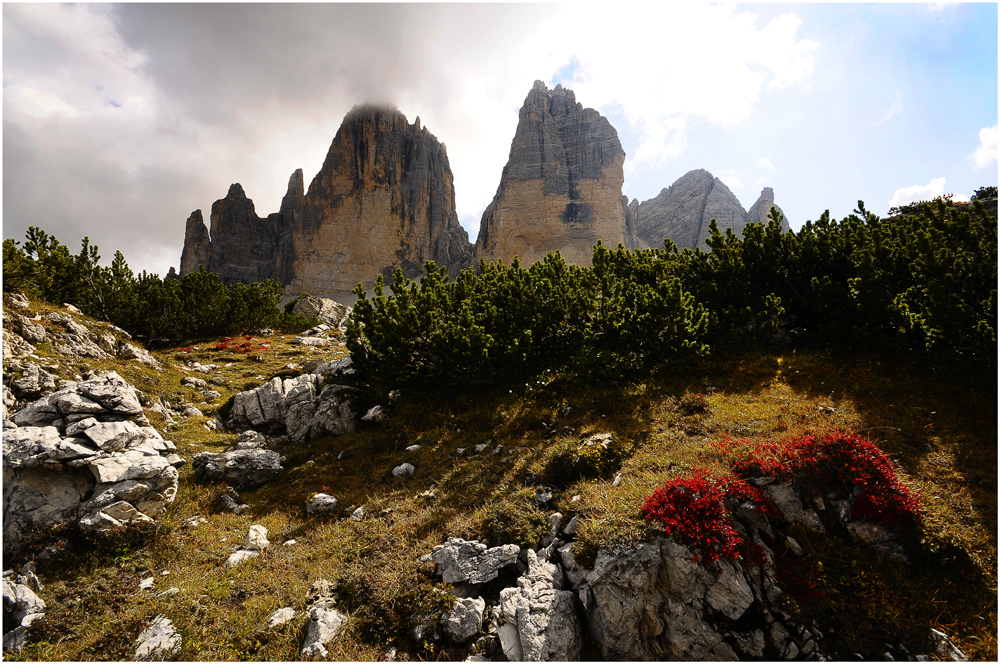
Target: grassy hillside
(940,431)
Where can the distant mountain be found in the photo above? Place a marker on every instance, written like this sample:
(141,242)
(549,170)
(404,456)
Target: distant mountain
(384,198)
(561,189)
(684,210)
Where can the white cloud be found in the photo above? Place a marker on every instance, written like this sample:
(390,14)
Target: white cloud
(918,192)
(893,110)
(679,79)
(766,163)
(143,113)
(986,153)
(732,179)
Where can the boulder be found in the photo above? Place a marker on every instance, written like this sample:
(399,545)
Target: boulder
(461,561)
(21,607)
(464,620)
(280,617)
(86,456)
(34,381)
(246,468)
(324,625)
(256,539)
(158,641)
(403,470)
(302,407)
(321,503)
(326,310)
(537,620)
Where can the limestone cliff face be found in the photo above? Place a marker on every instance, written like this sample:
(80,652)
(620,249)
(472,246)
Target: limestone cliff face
(760,211)
(197,244)
(684,211)
(561,187)
(384,198)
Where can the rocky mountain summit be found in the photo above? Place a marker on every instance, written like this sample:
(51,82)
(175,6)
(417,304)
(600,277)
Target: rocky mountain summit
(561,187)
(383,199)
(683,211)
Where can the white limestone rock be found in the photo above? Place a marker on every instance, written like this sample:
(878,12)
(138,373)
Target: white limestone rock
(461,561)
(324,625)
(537,620)
(158,641)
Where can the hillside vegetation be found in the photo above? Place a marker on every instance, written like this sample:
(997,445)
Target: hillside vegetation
(880,328)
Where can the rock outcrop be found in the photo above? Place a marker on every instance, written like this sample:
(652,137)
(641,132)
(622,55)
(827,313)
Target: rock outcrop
(384,198)
(759,212)
(537,620)
(301,407)
(85,455)
(561,189)
(683,211)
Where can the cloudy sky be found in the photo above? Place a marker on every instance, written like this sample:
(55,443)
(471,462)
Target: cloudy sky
(119,120)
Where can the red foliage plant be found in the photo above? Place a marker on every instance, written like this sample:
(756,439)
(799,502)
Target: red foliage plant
(838,461)
(241,346)
(693,509)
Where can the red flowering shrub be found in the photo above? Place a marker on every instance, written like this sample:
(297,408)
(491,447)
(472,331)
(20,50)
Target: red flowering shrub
(241,346)
(693,509)
(839,462)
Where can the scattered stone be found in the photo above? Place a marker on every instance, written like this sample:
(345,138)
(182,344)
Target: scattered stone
(412,448)
(321,503)
(945,648)
(241,556)
(542,497)
(358,514)
(464,620)
(194,522)
(290,542)
(147,583)
(461,561)
(572,527)
(480,447)
(158,641)
(129,351)
(403,470)
(618,480)
(246,468)
(256,539)
(168,592)
(280,617)
(324,625)
(311,342)
(375,415)
(196,383)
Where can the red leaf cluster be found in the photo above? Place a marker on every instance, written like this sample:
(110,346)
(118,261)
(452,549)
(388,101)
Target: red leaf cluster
(693,509)
(839,462)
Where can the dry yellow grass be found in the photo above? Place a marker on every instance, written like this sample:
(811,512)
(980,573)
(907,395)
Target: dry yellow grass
(940,433)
